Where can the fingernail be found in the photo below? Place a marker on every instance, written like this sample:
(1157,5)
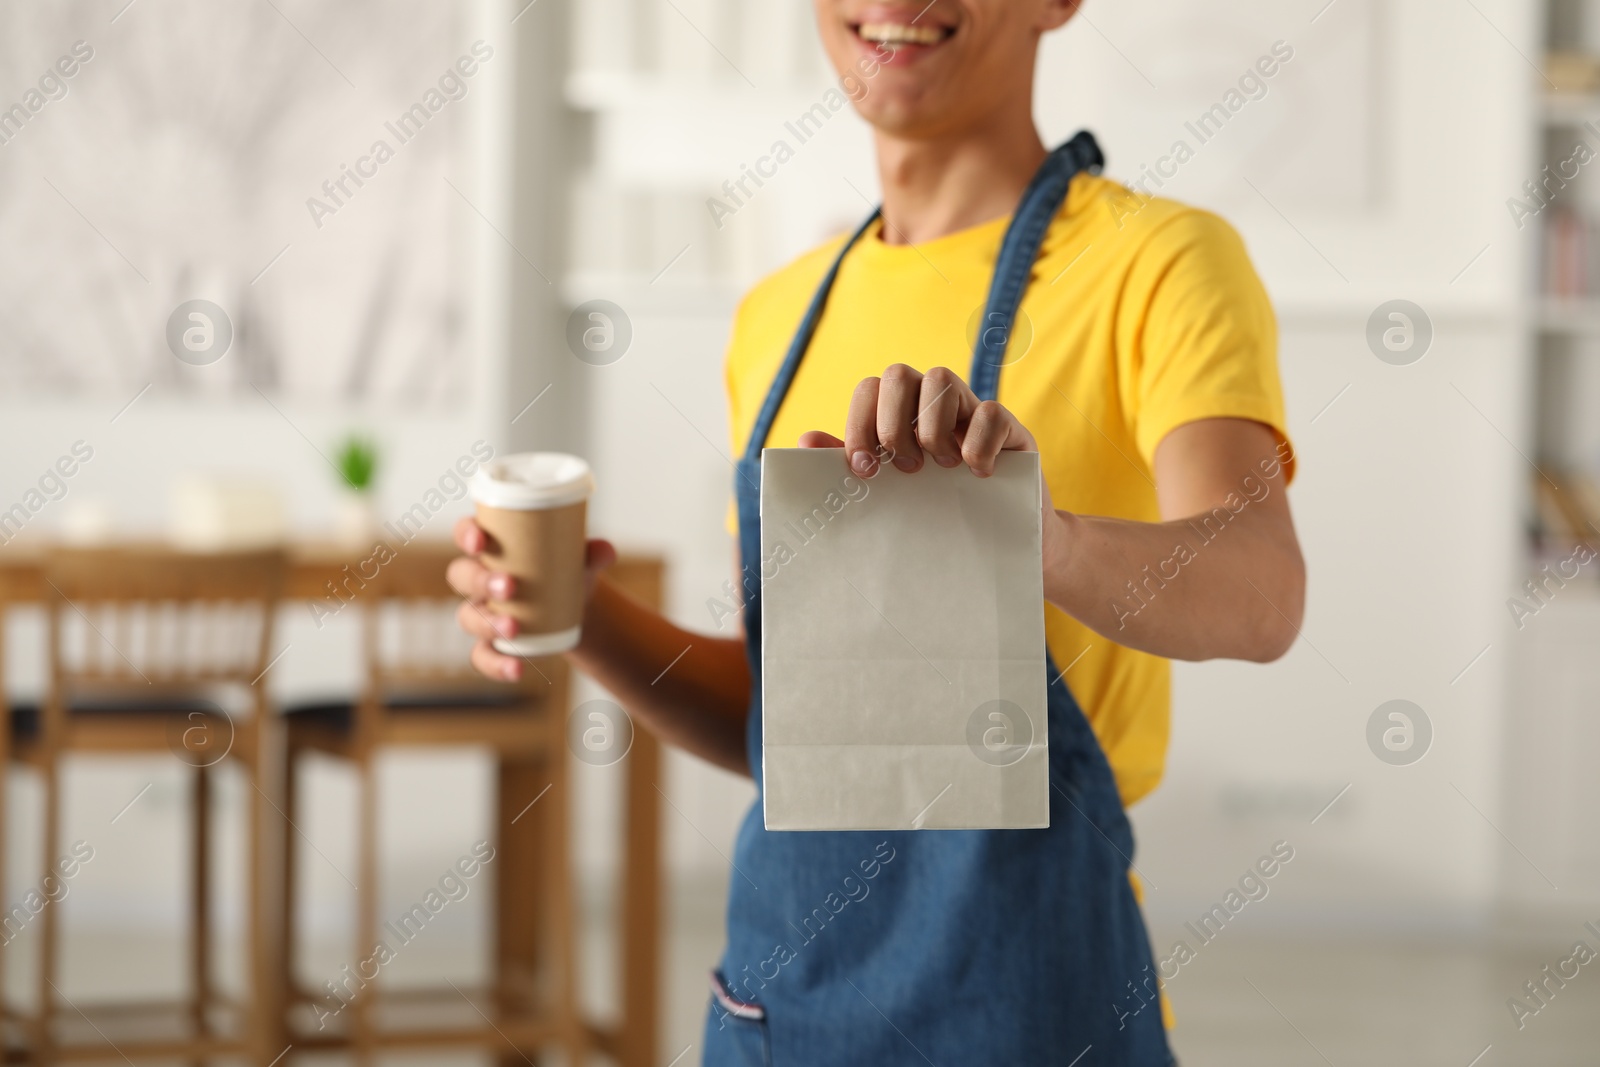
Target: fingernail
(905,463)
(500,586)
(861,462)
(946,461)
(505,626)
(511,671)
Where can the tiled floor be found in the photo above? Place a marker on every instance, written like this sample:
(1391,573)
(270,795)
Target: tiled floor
(1247,1001)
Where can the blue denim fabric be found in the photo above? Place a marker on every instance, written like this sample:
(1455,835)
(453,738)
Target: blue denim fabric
(943,947)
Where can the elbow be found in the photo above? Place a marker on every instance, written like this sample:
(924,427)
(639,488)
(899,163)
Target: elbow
(1272,645)
(1282,609)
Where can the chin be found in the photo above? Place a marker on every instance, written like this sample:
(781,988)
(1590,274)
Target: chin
(903,118)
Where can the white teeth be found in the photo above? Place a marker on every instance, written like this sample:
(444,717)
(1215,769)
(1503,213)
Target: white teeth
(894,33)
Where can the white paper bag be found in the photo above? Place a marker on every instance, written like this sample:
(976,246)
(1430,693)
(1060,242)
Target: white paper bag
(902,650)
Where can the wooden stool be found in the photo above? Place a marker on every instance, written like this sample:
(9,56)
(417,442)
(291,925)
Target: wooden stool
(142,644)
(420,691)
(531,1001)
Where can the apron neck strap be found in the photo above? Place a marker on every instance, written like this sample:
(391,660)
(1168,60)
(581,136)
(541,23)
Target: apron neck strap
(1018,250)
(797,347)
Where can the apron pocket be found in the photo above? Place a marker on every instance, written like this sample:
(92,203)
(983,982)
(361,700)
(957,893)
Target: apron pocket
(736,1033)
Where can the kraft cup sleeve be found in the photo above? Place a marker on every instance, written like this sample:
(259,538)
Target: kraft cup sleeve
(544,550)
(903,654)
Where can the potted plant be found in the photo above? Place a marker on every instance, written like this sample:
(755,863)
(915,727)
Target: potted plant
(356,521)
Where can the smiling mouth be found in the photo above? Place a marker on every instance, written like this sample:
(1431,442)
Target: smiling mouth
(902,35)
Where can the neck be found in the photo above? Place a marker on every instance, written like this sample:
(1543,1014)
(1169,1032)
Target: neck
(933,187)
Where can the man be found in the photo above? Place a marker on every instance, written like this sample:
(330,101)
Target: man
(1135,350)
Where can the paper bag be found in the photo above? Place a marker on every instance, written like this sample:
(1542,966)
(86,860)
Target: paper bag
(902,646)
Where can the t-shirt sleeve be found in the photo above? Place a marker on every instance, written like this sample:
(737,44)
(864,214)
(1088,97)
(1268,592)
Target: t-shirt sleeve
(1200,340)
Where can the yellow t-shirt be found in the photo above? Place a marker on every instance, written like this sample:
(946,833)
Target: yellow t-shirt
(1141,315)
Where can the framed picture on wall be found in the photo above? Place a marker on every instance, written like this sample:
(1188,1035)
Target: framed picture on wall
(304,168)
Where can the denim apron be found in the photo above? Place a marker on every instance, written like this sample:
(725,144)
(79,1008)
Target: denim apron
(944,947)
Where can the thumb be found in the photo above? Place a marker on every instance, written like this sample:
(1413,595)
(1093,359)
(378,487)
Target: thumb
(599,554)
(819,439)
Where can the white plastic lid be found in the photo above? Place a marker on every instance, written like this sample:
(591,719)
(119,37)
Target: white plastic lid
(529,480)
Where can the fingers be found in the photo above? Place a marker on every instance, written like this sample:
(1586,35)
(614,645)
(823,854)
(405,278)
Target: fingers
(491,664)
(945,404)
(469,577)
(898,394)
(479,623)
(905,412)
(861,429)
(478,583)
(469,536)
(991,430)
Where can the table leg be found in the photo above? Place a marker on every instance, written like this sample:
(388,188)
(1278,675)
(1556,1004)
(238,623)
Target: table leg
(520,898)
(641,905)
(268,838)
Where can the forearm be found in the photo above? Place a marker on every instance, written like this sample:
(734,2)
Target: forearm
(690,690)
(1193,589)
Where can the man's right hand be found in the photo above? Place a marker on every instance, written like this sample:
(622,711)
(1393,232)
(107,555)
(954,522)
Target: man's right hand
(477,585)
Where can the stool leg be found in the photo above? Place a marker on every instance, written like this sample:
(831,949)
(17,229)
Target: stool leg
(290,868)
(562,919)
(521,900)
(364,1042)
(641,905)
(267,837)
(200,921)
(44,1045)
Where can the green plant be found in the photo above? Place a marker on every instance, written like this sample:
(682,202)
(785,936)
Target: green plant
(358,462)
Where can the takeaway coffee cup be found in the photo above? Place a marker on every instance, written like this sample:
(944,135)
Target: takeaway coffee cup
(533,504)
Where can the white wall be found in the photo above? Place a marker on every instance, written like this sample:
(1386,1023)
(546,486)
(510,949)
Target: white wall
(1401,508)
(1390,141)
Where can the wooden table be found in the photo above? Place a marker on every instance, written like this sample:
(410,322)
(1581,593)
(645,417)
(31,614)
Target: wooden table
(314,564)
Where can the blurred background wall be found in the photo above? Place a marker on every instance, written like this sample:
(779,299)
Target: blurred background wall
(431,311)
